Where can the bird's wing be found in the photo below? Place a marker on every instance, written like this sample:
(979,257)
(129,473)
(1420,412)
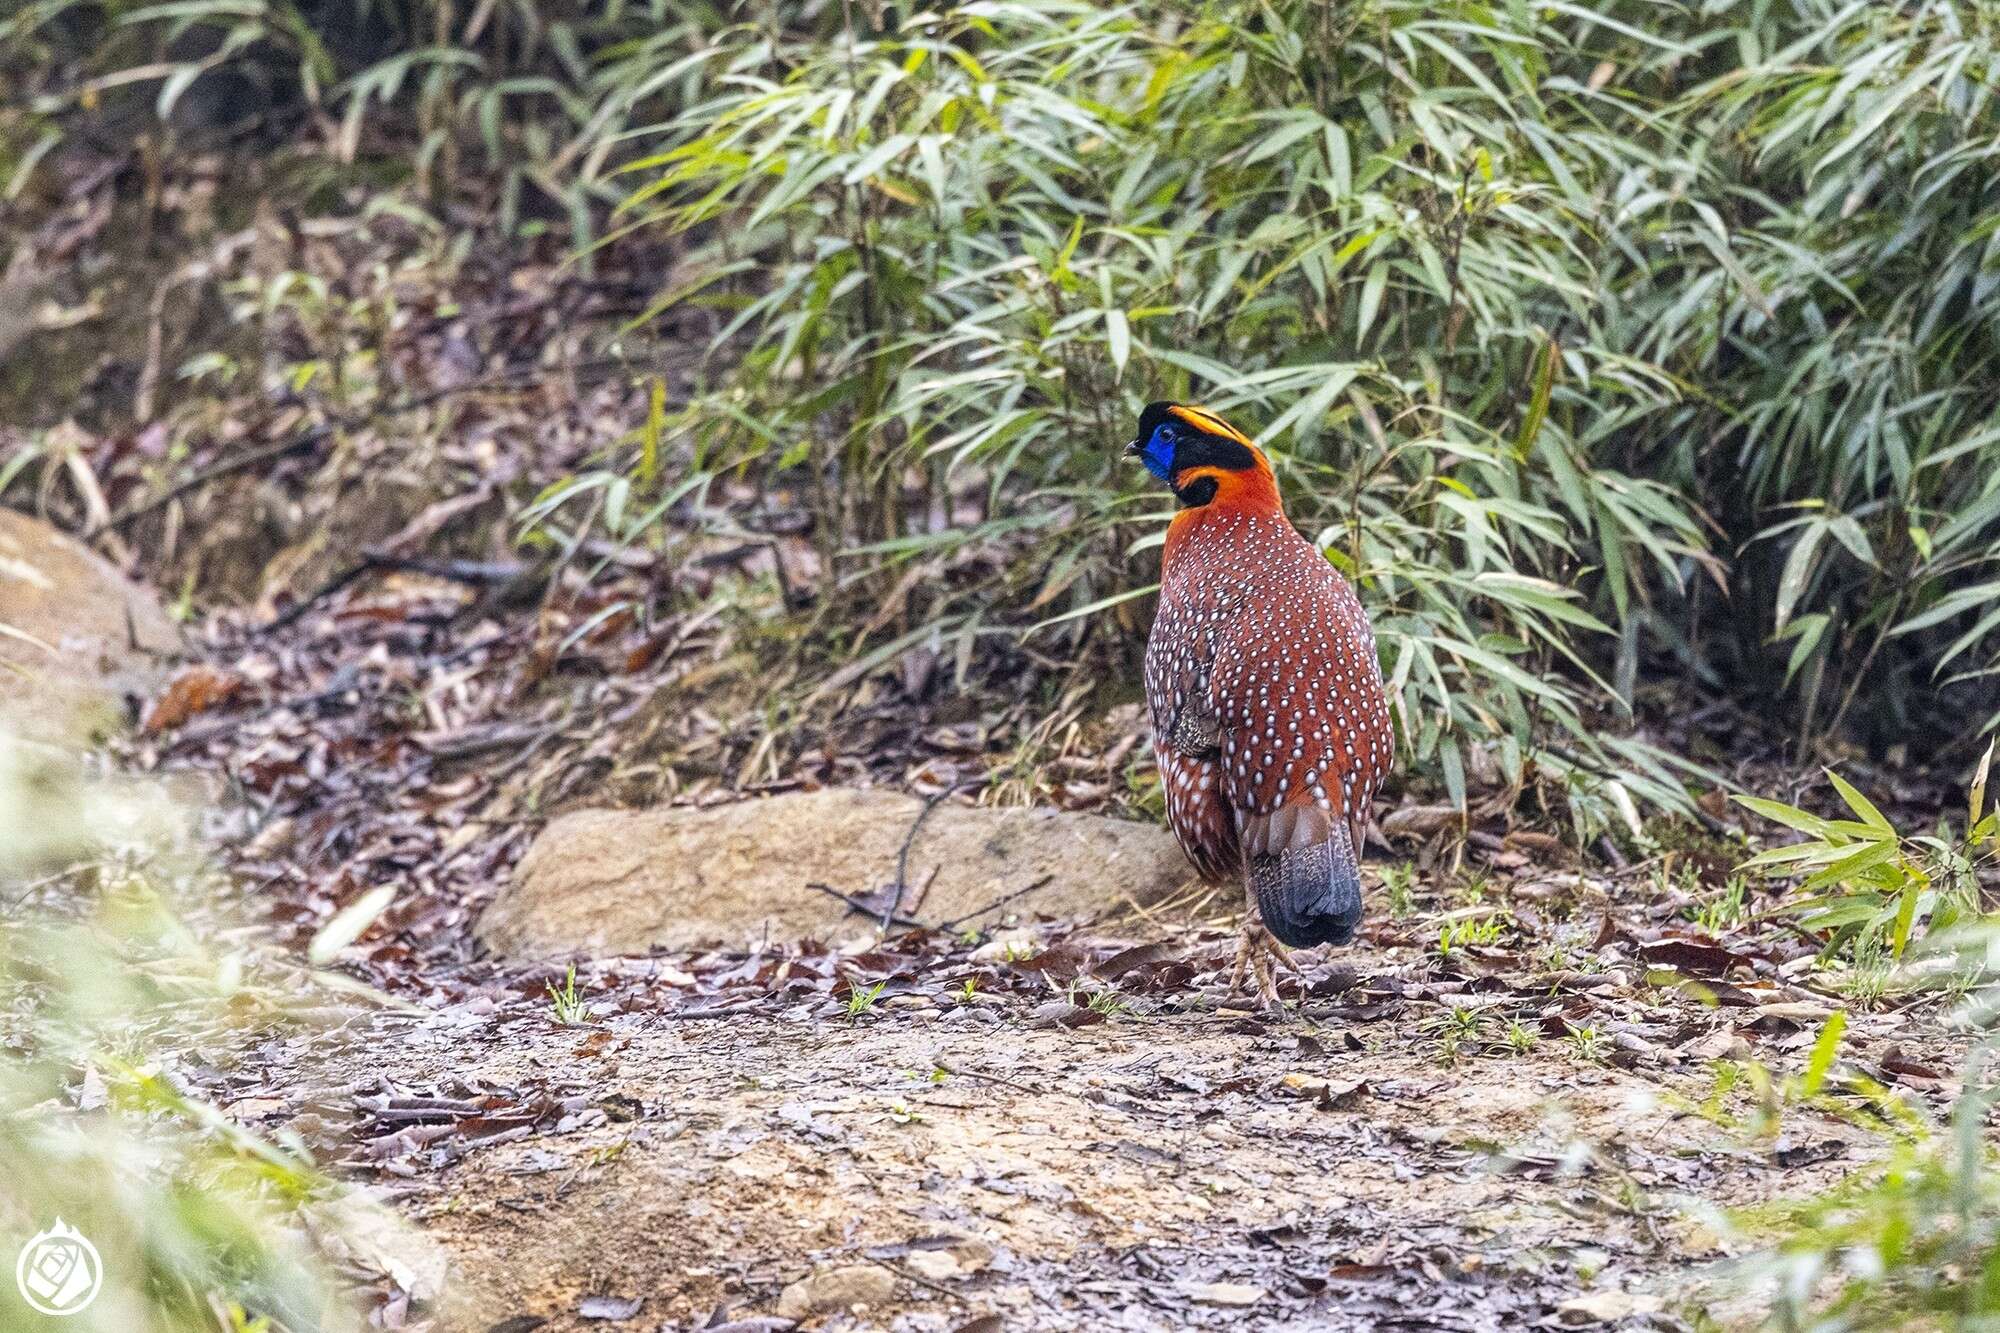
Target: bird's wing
(1198,813)
(1187,736)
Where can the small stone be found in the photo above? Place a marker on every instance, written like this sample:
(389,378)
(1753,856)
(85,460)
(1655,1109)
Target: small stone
(837,1289)
(937,1265)
(1794,1011)
(1608,1306)
(1225,1293)
(1702,1239)
(1004,946)
(1329,1093)
(971,1253)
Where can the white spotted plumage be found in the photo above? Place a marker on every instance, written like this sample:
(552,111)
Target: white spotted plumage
(1255,625)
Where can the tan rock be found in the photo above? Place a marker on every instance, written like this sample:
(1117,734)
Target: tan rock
(75,634)
(972,1253)
(615,881)
(837,1289)
(943,1258)
(937,1265)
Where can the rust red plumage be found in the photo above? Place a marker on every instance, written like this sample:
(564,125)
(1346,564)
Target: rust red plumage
(1271,727)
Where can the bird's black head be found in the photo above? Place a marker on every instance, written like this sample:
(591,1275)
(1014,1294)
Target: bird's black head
(1154,416)
(1193,450)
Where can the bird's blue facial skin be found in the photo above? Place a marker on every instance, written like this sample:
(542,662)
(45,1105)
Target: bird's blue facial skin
(1159,452)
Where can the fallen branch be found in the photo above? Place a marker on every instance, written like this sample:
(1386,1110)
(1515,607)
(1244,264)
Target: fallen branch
(202,476)
(306,439)
(861,908)
(480,573)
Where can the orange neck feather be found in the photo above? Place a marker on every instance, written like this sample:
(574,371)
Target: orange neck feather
(1252,490)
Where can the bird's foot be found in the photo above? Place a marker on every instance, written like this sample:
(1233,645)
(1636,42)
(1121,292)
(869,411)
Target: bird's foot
(1259,954)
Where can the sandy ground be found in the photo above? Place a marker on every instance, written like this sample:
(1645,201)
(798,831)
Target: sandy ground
(1203,1170)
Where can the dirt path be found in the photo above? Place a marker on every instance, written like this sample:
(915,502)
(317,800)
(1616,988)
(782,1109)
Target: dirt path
(1202,1170)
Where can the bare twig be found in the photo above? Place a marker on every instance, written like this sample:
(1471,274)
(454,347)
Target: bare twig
(998,903)
(861,908)
(910,838)
(292,613)
(956,1072)
(202,476)
(920,1279)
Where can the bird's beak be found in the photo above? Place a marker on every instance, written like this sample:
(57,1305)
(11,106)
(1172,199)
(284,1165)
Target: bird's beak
(1134,449)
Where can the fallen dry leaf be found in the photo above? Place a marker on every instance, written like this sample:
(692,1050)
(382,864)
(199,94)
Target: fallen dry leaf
(193,691)
(614,1309)
(1224,1293)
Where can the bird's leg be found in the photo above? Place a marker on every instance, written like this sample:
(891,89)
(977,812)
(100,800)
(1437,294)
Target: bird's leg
(1259,954)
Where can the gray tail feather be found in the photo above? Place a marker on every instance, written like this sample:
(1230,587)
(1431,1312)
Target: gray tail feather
(1309,894)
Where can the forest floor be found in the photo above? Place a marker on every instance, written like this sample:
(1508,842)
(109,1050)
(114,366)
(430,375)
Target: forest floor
(1081,1128)
(1558,1082)
(1547,1086)
(940,1165)
(1540,1090)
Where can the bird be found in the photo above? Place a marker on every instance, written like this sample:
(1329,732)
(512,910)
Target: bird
(1270,724)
